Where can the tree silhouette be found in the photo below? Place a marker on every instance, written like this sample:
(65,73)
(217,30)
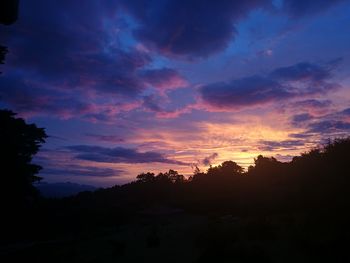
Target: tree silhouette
(227,168)
(174,176)
(8,15)
(146,177)
(19,142)
(3,51)
(8,11)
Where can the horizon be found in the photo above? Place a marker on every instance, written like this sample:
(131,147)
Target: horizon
(124,87)
(193,171)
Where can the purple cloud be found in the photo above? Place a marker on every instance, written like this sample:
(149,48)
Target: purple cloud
(329,127)
(208,160)
(335,123)
(243,92)
(345,112)
(62,55)
(301,118)
(194,28)
(278,145)
(78,170)
(163,79)
(313,104)
(300,135)
(118,155)
(28,97)
(151,103)
(104,138)
(304,71)
(299,8)
(297,81)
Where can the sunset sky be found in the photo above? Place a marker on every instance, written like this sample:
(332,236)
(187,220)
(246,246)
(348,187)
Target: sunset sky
(129,86)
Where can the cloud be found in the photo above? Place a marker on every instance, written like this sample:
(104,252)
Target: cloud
(65,57)
(284,158)
(243,92)
(265,53)
(266,145)
(153,103)
(304,71)
(21,95)
(313,103)
(345,113)
(58,162)
(300,135)
(336,123)
(299,8)
(208,160)
(118,155)
(298,81)
(32,98)
(163,79)
(104,138)
(79,170)
(193,28)
(112,71)
(312,106)
(328,127)
(301,119)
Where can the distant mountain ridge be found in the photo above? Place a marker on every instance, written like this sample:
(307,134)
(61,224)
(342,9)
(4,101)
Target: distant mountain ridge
(63,189)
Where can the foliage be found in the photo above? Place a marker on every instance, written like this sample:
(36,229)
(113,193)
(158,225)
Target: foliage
(19,143)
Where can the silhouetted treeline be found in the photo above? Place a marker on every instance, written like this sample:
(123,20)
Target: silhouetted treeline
(318,179)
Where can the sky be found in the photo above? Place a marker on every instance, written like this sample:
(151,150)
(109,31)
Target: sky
(130,86)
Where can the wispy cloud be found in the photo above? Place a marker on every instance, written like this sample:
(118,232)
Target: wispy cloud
(118,155)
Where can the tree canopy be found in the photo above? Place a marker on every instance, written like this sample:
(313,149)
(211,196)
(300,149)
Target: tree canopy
(8,11)
(19,143)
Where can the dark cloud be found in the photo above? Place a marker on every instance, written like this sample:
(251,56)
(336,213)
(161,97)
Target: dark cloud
(164,78)
(118,155)
(193,28)
(63,54)
(313,104)
(345,112)
(332,124)
(151,103)
(328,126)
(301,118)
(78,170)
(297,81)
(113,72)
(278,145)
(104,138)
(208,160)
(300,135)
(299,8)
(243,92)
(28,97)
(301,72)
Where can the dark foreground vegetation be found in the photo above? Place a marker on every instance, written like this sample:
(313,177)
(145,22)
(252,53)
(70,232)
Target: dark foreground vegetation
(274,212)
